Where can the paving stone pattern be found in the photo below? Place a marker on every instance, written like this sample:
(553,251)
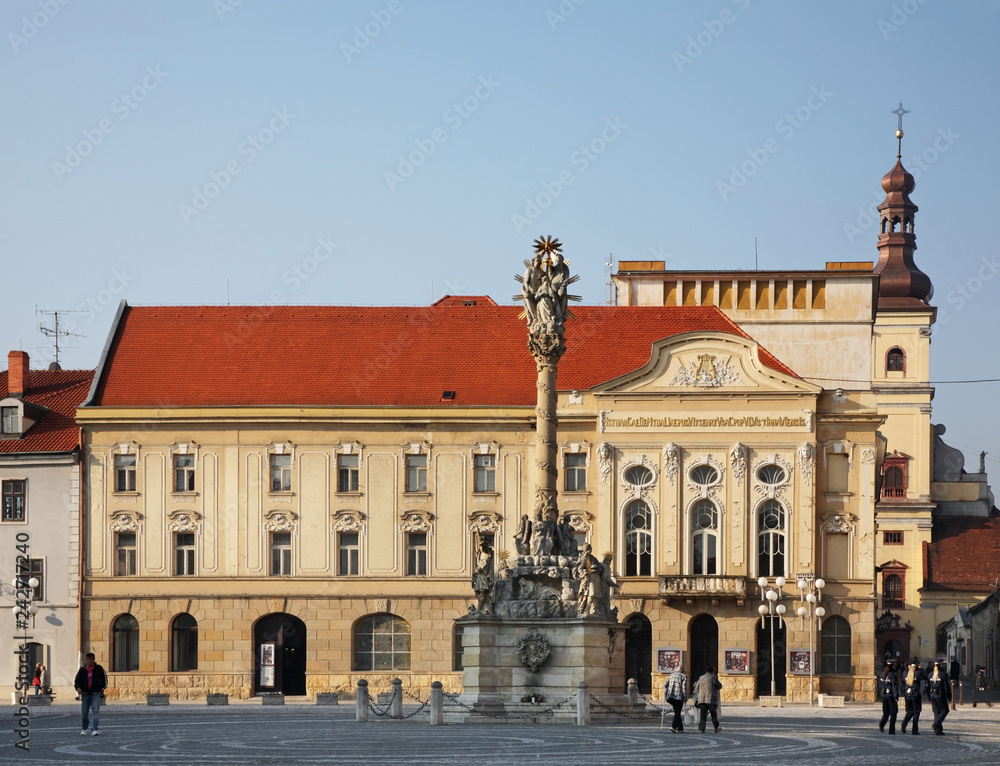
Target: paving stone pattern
(248,733)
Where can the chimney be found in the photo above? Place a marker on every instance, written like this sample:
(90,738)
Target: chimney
(17,373)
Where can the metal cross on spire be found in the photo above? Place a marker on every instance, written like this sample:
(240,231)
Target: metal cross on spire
(899,112)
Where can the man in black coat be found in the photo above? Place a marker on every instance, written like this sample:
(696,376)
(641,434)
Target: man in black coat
(90,683)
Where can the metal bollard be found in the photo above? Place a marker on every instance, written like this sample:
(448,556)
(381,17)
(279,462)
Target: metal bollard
(396,706)
(582,705)
(633,692)
(362,703)
(437,704)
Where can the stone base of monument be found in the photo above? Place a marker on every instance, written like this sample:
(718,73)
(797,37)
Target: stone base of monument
(498,679)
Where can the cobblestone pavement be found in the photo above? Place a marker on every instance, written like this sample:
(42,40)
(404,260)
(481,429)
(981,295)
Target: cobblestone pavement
(249,733)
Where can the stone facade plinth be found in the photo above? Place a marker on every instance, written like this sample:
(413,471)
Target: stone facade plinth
(581,649)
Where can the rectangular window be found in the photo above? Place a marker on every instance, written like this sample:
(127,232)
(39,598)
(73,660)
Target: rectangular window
(184,553)
(125,473)
(837,472)
(347,473)
(281,553)
(416,473)
(348,554)
(576,472)
(416,554)
(8,420)
(36,569)
(281,473)
(485,477)
(458,662)
(125,554)
(14,500)
(892,538)
(183,473)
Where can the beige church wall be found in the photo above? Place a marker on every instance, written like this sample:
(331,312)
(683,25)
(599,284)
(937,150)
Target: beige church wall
(314,535)
(452,544)
(382,525)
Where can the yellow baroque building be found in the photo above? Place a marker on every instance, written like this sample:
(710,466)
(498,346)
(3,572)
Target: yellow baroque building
(289,498)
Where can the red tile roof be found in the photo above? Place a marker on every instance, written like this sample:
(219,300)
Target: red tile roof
(59,391)
(357,356)
(964,554)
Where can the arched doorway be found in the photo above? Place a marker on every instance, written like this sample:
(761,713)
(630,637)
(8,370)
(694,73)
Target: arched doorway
(639,652)
(279,648)
(764,660)
(704,645)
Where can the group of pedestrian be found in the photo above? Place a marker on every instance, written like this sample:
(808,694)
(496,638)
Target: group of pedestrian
(41,680)
(912,686)
(705,694)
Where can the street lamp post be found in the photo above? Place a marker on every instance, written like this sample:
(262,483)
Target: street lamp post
(811,593)
(770,607)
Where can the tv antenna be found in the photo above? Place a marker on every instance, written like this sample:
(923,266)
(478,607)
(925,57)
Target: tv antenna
(54,331)
(609,264)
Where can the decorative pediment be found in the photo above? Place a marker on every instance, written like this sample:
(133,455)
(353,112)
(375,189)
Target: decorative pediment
(417,448)
(183,521)
(486,448)
(126,448)
(416,521)
(125,521)
(349,448)
(484,522)
(185,448)
(705,361)
(280,448)
(348,521)
(838,524)
(579,521)
(280,521)
(574,448)
(893,564)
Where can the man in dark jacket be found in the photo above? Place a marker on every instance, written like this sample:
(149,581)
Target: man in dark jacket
(90,683)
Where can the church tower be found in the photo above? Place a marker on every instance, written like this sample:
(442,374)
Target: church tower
(901,378)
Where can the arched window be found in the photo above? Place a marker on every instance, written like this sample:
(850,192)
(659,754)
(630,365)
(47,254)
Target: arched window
(382,642)
(771,539)
(639,476)
(893,483)
(638,539)
(705,538)
(125,644)
(892,592)
(704,475)
(835,646)
(771,474)
(184,643)
(895,360)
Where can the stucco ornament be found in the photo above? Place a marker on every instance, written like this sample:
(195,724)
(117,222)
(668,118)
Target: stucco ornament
(807,459)
(738,461)
(707,372)
(533,649)
(671,461)
(604,455)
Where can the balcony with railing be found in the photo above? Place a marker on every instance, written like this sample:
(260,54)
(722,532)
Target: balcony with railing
(713,587)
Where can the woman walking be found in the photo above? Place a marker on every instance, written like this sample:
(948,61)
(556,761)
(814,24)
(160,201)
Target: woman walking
(890,691)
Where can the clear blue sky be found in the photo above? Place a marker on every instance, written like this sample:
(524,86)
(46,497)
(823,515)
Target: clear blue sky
(390,152)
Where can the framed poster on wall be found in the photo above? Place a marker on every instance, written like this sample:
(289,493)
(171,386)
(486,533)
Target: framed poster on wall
(669,659)
(267,676)
(736,662)
(266,654)
(799,662)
